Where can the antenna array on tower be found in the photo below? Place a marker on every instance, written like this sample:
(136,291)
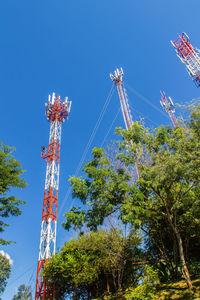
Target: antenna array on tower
(117,79)
(189,56)
(168,106)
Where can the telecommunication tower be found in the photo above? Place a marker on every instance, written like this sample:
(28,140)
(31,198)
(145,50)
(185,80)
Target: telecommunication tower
(57,111)
(168,106)
(189,56)
(117,79)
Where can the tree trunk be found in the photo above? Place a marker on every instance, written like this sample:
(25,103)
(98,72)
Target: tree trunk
(162,250)
(184,266)
(119,280)
(175,251)
(114,279)
(75,292)
(181,252)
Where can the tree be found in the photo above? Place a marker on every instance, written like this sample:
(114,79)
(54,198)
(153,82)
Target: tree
(5,267)
(10,171)
(23,293)
(147,287)
(167,191)
(95,263)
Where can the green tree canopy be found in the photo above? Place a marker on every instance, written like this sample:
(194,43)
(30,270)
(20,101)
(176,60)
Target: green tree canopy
(23,293)
(94,264)
(167,192)
(5,269)
(10,171)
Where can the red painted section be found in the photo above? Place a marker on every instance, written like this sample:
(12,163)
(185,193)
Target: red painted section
(57,111)
(183,45)
(186,51)
(52,153)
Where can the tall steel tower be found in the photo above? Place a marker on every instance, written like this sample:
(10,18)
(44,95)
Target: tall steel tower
(168,106)
(57,111)
(189,56)
(117,79)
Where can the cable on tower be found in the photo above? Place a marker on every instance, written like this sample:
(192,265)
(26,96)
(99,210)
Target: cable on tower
(109,129)
(57,111)
(92,136)
(145,99)
(189,56)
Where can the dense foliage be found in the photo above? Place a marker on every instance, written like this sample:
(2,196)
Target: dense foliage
(163,204)
(10,171)
(95,263)
(5,267)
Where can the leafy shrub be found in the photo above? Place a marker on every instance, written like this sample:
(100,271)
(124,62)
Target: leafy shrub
(145,290)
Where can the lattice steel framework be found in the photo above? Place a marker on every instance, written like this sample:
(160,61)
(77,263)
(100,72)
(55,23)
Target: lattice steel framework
(117,79)
(168,106)
(189,56)
(57,111)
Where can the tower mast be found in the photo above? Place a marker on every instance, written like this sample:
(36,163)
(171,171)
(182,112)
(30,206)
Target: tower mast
(117,79)
(57,111)
(189,56)
(168,106)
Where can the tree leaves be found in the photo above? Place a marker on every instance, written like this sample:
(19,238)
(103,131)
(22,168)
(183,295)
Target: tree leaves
(88,261)
(163,202)
(10,171)
(23,293)
(5,267)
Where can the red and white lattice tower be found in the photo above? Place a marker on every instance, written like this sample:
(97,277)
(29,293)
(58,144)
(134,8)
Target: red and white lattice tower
(57,111)
(189,56)
(117,79)
(168,106)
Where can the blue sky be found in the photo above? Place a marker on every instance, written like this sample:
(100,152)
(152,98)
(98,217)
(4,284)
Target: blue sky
(70,47)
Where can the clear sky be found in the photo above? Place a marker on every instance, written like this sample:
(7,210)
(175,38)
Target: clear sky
(70,47)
